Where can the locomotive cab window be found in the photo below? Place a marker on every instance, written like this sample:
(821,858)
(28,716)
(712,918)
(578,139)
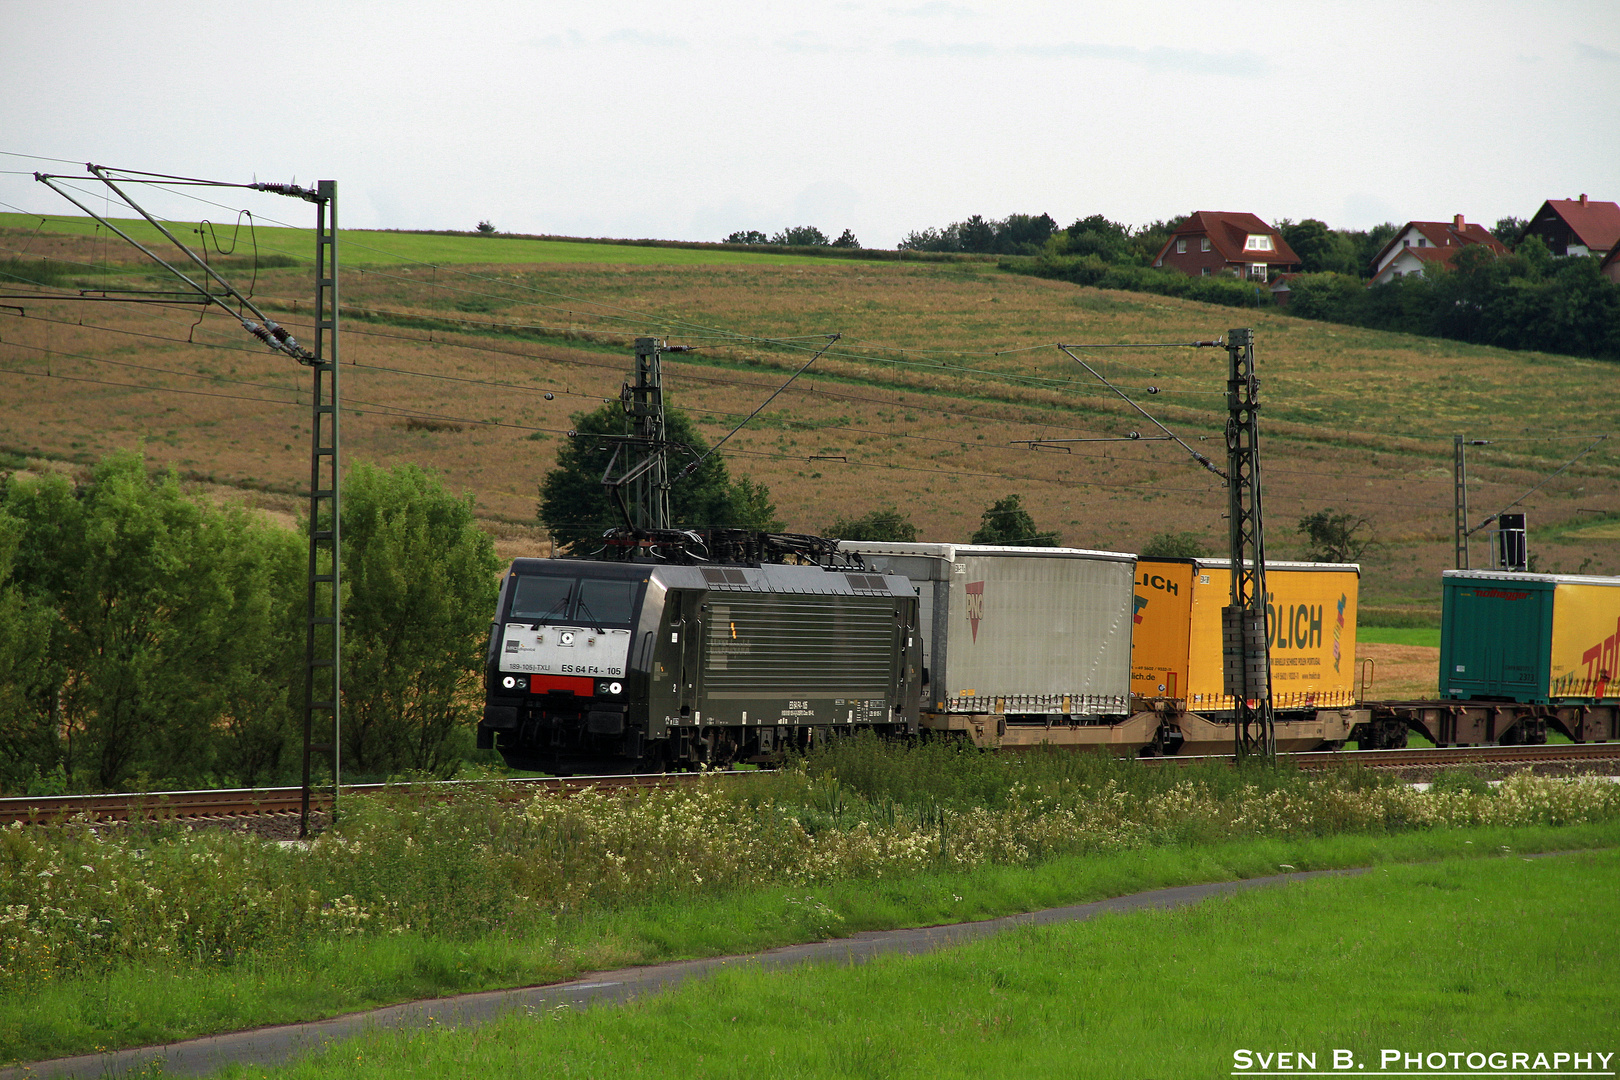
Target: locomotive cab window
(607,603)
(557,599)
(542,599)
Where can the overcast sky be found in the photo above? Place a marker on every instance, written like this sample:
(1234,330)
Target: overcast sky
(688,121)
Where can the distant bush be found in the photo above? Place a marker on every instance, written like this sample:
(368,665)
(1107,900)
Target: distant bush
(1007,523)
(797,236)
(801,236)
(1094,271)
(885,523)
(1175,545)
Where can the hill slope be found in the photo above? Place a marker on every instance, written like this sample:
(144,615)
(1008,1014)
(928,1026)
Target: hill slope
(941,370)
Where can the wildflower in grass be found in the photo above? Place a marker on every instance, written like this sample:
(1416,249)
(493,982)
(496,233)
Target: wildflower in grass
(75,898)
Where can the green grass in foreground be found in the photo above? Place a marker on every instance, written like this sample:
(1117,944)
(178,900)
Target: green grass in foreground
(1481,955)
(1404,635)
(150,1003)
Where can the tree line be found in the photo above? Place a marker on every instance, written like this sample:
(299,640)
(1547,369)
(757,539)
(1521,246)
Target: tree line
(797,236)
(151,639)
(1525,300)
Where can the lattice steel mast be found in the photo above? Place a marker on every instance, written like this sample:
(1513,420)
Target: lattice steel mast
(323,650)
(644,402)
(1246,638)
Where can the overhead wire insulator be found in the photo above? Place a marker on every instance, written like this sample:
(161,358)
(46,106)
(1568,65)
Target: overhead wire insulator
(293,190)
(278,339)
(282,337)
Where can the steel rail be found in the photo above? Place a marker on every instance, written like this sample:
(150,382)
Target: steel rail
(1430,757)
(247,802)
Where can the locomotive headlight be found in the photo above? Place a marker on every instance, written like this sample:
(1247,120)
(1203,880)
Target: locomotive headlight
(615,688)
(514,682)
(609,689)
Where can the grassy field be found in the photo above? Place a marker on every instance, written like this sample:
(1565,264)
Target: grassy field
(941,371)
(159,933)
(365,247)
(1478,955)
(1383,635)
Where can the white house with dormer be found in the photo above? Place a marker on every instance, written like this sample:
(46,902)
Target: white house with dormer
(1421,243)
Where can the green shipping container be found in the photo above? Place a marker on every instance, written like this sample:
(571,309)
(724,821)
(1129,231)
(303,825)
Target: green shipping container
(1532,638)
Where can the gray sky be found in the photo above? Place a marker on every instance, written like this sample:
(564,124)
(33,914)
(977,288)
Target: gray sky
(687,121)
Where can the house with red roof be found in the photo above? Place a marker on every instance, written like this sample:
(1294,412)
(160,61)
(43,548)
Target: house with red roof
(1611,265)
(1577,226)
(1425,243)
(1216,242)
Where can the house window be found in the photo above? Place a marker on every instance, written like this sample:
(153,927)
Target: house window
(1257,271)
(1406,243)
(1422,242)
(1206,272)
(1181,247)
(1203,243)
(1257,242)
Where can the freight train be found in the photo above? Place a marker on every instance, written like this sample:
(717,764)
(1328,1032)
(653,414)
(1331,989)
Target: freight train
(706,651)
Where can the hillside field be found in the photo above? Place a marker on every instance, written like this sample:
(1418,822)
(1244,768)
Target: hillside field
(451,345)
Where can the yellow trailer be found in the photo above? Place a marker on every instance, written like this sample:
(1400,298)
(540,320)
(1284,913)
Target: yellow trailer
(1176,639)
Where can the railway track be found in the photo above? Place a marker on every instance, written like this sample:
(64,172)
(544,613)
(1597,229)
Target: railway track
(250,802)
(1437,757)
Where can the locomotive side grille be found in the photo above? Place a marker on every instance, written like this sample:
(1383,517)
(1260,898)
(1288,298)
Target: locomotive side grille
(787,645)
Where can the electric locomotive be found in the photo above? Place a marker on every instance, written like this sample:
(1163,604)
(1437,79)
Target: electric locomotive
(602,666)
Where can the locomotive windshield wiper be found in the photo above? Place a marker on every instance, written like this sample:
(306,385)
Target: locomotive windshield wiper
(557,610)
(585,609)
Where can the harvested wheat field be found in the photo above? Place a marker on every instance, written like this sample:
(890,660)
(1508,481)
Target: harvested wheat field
(1399,671)
(942,377)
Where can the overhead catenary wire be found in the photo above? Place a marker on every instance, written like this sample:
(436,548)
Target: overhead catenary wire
(1196,456)
(402,412)
(266,329)
(695,465)
(1109,345)
(1545,481)
(1281,469)
(728,338)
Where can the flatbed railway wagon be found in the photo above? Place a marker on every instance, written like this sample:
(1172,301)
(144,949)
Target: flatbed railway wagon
(1021,645)
(602,666)
(1519,654)
(1177,663)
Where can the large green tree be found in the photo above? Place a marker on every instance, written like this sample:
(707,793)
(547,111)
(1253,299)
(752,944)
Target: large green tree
(576,509)
(1007,523)
(1335,537)
(421,583)
(27,736)
(1320,249)
(168,630)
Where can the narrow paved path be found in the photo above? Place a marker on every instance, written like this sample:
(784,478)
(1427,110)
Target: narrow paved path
(280,1044)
